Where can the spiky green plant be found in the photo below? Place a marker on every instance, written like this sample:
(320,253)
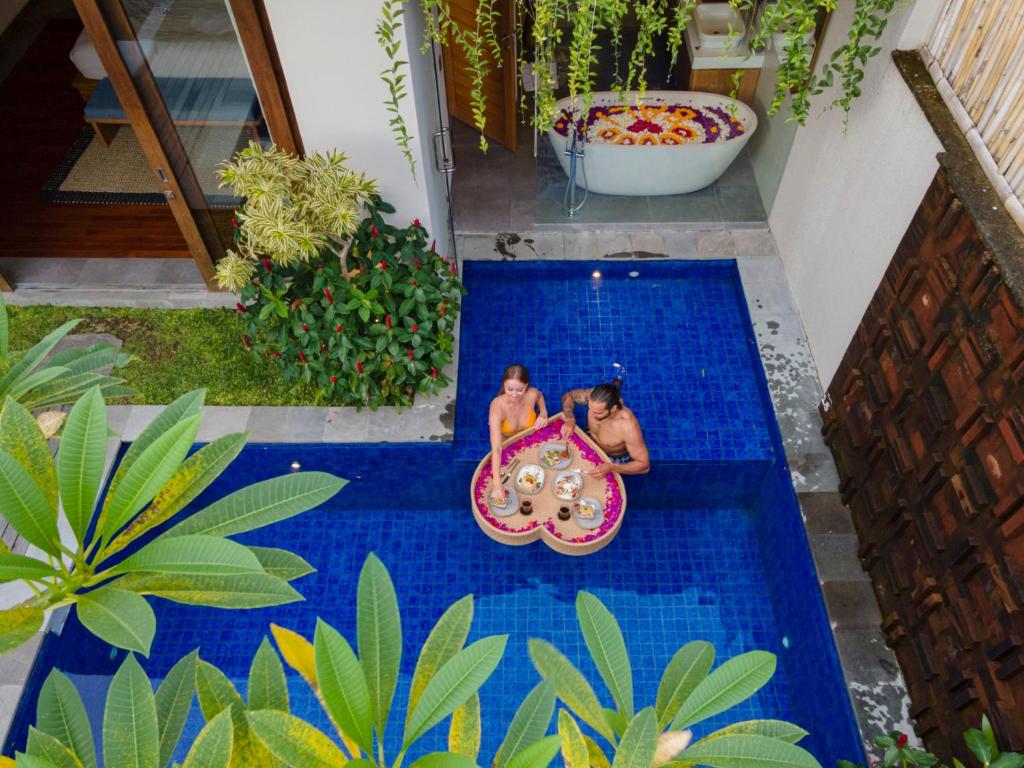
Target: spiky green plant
(295,209)
(66,376)
(192,562)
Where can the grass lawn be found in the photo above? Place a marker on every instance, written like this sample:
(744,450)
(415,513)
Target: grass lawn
(174,351)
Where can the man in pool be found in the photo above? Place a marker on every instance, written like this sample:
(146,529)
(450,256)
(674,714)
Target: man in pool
(612,425)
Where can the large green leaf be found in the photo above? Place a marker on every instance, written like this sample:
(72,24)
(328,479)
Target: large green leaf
(639,742)
(268,688)
(121,618)
(529,724)
(47,747)
(17,625)
(444,641)
(61,714)
(80,460)
(444,760)
(604,641)
(212,747)
(147,475)
(261,504)
(23,760)
(570,685)
(295,741)
(598,759)
(4,331)
(342,685)
(736,680)
(574,746)
(69,389)
(15,567)
(688,667)
(32,357)
(539,754)
(216,693)
(26,508)
(189,404)
(92,358)
(281,563)
(131,737)
(35,379)
(746,751)
(246,590)
(379,636)
(192,478)
(773,729)
(465,731)
(193,556)
(173,701)
(459,678)
(22,439)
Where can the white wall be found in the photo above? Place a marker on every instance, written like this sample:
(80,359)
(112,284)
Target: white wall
(332,63)
(847,197)
(8,10)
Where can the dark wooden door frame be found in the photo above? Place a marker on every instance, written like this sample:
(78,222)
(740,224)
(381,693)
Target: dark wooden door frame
(140,98)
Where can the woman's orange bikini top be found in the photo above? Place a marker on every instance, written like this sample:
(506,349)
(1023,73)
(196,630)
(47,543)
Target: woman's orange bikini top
(506,428)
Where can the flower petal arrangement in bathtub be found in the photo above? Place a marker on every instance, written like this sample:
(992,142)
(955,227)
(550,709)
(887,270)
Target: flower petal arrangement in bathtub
(655,124)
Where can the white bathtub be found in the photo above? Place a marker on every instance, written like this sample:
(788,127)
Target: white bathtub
(615,169)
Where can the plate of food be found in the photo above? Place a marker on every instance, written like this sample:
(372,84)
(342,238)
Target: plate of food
(588,513)
(530,479)
(556,455)
(511,502)
(568,485)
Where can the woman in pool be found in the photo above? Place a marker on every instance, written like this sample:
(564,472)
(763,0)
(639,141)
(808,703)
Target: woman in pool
(513,411)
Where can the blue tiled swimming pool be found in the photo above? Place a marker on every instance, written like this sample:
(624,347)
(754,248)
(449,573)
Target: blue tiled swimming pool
(712,548)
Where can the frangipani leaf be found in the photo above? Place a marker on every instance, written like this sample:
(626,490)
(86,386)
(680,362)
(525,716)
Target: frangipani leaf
(121,618)
(261,504)
(295,741)
(746,751)
(342,685)
(80,460)
(529,723)
(570,685)
(191,556)
(4,328)
(130,732)
(268,688)
(444,641)
(465,731)
(61,714)
(573,745)
(35,379)
(596,755)
(193,476)
(608,649)
(444,760)
(379,636)
(173,701)
(212,747)
(735,681)
(689,665)
(15,567)
(298,652)
(23,760)
(537,755)
(26,508)
(71,388)
(23,440)
(246,590)
(459,678)
(773,729)
(639,742)
(281,563)
(47,747)
(215,691)
(32,357)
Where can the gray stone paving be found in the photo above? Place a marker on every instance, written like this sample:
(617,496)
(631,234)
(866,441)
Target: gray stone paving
(876,686)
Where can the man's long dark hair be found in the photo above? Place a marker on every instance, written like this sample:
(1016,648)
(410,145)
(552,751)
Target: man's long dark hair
(608,394)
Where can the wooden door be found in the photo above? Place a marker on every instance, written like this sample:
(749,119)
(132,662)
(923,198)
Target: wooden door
(499,85)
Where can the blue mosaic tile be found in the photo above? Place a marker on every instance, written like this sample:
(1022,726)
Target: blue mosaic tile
(679,328)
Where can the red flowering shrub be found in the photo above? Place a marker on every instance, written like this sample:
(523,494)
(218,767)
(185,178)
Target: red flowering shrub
(373,333)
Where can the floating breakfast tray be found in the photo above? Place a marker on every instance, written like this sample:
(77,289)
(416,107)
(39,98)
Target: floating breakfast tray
(565,536)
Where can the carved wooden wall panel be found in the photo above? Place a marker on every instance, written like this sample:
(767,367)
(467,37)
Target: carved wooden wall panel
(927,429)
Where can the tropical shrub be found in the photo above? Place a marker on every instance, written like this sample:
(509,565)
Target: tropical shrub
(63,379)
(897,752)
(373,327)
(688,694)
(193,561)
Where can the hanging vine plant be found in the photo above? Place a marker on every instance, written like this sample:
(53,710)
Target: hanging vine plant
(578,23)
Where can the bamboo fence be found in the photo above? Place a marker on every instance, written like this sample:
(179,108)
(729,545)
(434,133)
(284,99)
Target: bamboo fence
(976,56)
